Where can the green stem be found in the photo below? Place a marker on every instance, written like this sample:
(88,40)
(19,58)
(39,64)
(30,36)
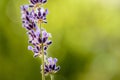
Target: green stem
(43,75)
(52,77)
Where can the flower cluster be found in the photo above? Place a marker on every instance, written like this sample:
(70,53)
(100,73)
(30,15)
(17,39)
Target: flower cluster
(50,66)
(38,42)
(33,16)
(37,2)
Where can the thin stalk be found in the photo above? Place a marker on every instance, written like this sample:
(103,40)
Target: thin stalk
(52,77)
(43,75)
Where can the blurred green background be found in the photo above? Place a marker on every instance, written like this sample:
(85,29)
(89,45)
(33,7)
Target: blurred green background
(85,34)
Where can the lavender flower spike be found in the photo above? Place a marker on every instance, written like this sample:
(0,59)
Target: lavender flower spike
(33,15)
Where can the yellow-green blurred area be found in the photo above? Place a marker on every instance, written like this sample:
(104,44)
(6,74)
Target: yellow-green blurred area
(85,35)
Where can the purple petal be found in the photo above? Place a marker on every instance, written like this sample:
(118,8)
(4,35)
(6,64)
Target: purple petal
(24,7)
(55,60)
(46,11)
(30,48)
(50,60)
(36,54)
(44,33)
(57,68)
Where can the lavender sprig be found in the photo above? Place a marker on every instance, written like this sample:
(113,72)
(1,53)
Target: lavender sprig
(50,66)
(33,15)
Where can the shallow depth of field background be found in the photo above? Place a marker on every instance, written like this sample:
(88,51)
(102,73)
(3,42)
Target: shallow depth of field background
(85,34)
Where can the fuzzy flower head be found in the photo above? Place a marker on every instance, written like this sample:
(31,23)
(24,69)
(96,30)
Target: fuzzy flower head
(50,66)
(36,40)
(30,18)
(27,18)
(40,15)
(37,3)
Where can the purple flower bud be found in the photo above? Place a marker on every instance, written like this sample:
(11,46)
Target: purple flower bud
(36,54)
(57,68)
(45,48)
(49,42)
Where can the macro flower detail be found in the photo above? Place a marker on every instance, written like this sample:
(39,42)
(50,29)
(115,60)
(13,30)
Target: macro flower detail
(27,18)
(38,1)
(50,66)
(33,15)
(36,40)
(40,15)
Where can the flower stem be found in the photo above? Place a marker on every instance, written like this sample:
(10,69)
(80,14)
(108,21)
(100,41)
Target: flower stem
(52,77)
(43,75)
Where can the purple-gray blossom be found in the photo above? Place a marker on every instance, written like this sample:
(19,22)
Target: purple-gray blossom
(50,66)
(36,40)
(40,15)
(27,18)
(38,1)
